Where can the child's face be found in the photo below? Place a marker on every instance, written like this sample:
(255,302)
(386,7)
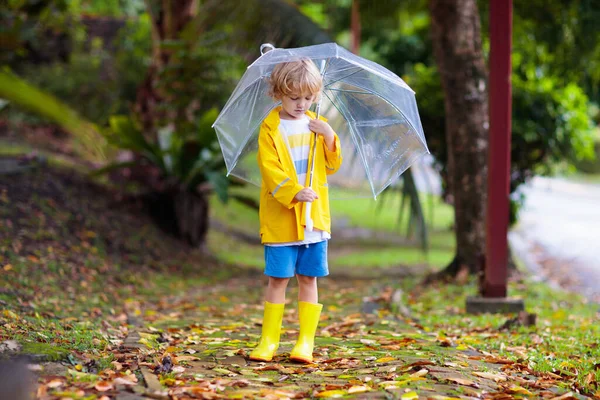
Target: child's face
(295,105)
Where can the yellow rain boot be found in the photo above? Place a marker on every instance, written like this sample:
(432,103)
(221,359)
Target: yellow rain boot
(309,314)
(271,328)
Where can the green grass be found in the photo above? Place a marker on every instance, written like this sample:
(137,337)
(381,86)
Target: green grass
(235,251)
(390,257)
(565,339)
(383,213)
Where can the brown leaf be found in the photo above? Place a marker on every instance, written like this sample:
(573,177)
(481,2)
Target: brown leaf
(498,360)
(103,386)
(489,375)
(566,396)
(462,381)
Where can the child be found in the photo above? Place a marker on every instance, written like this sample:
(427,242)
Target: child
(285,148)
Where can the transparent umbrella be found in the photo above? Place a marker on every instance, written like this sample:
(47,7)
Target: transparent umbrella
(373,111)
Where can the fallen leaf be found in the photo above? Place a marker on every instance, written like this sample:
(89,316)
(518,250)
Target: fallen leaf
(420,373)
(566,396)
(124,381)
(409,396)
(54,383)
(359,389)
(489,375)
(103,386)
(462,381)
(385,359)
(332,393)
(519,390)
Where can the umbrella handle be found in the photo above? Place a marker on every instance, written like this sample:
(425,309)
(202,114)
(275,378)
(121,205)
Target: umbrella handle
(309,221)
(266,46)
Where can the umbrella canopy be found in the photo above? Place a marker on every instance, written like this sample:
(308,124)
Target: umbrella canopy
(373,111)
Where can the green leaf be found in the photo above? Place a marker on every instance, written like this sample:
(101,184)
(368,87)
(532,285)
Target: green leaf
(220,184)
(111,167)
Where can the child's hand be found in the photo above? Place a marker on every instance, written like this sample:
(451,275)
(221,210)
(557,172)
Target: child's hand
(321,127)
(306,195)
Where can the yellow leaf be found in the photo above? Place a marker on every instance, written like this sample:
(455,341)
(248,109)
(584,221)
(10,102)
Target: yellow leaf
(461,347)
(78,367)
(333,308)
(224,299)
(332,393)
(520,390)
(8,267)
(224,371)
(10,314)
(409,396)
(385,359)
(359,389)
(172,349)
(168,381)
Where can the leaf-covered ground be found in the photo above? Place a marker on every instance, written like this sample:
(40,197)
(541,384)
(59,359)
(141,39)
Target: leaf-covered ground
(116,310)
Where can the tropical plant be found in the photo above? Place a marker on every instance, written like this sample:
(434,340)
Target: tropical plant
(175,150)
(185,168)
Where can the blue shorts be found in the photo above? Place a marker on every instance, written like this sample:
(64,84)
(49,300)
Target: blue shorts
(287,261)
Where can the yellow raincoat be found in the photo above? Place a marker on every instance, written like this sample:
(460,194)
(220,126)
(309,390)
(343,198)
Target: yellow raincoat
(281,217)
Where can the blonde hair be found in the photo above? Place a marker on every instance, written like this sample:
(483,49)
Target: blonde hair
(295,77)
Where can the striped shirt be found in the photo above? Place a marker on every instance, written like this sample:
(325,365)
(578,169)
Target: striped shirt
(297,135)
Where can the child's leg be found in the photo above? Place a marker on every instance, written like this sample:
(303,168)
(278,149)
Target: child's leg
(312,263)
(307,289)
(275,292)
(279,262)
(273,315)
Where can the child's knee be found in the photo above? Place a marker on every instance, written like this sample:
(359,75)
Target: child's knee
(278,282)
(306,280)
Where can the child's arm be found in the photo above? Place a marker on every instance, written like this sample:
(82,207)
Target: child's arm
(277,181)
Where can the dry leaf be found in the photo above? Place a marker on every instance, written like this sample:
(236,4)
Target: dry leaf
(489,375)
(359,389)
(332,393)
(410,396)
(462,381)
(103,386)
(54,383)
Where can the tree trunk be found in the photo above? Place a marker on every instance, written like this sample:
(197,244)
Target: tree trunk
(191,212)
(456,35)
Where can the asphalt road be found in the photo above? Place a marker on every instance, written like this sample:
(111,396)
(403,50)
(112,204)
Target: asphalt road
(559,220)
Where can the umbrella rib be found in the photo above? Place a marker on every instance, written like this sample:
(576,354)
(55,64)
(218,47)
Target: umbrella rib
(354,135)
(347,91)
(359,69)
(391,104)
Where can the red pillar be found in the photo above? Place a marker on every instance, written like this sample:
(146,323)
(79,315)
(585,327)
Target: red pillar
(496,268)
(355,27)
